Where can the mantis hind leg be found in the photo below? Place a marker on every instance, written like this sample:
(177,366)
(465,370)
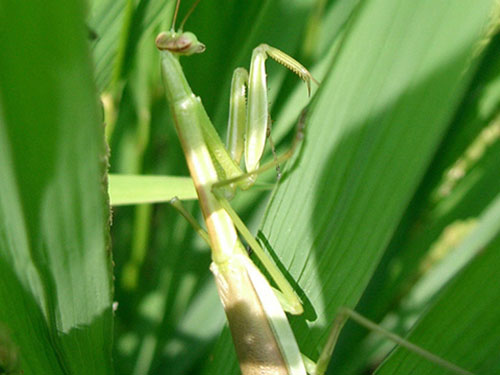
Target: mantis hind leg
(287,296)
(343,314)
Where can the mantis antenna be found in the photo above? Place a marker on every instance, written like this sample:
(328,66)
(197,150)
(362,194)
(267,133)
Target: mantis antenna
(190,11)
(175,14)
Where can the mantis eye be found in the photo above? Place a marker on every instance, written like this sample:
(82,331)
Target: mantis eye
(164,41)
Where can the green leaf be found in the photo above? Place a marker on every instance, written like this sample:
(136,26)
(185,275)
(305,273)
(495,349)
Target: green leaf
(55,289)
(137,189)
(395,105)
(459,183)
(372,131)
(463,324)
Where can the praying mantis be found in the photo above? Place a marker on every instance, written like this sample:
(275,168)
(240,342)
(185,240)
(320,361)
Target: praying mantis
(262,336)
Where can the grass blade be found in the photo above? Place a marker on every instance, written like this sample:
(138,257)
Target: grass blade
(54,212)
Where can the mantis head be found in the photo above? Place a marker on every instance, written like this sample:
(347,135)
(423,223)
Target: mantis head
(181,43)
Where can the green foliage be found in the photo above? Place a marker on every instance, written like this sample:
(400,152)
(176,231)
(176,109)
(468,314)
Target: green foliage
(138,189)
(55,264)
(390,207)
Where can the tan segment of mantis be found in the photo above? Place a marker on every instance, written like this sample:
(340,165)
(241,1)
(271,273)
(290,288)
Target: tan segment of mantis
(262,336)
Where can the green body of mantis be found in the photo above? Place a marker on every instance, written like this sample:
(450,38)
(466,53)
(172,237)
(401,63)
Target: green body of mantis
(247,297)
(263,339)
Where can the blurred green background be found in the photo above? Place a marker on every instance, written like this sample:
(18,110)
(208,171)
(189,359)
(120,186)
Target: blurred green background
(391,206)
